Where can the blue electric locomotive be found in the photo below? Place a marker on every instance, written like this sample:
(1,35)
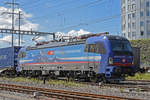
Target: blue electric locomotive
(99,57)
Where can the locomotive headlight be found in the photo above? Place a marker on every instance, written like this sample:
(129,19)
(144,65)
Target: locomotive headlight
(110,60)
(132,62)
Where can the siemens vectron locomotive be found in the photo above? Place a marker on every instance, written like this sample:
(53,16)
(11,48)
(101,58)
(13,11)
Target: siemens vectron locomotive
(100,57)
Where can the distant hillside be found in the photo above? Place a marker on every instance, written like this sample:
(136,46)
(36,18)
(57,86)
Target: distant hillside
(144,45)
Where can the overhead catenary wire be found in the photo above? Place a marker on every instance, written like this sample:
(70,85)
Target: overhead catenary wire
(91,22)
(88,6)
(67,10)
(97,20)
(57,5)
(31,4)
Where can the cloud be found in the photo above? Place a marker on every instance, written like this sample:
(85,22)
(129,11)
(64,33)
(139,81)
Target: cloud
(77,33)
(6,19)
(16,41)
(6,22)
(81,32)
(72,33)
(28,26)
(26,15)
(38,39)
(8,39)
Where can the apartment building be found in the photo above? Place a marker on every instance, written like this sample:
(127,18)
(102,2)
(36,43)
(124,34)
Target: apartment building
(135,19)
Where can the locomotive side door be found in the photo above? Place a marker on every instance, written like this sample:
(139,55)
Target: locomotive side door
(94,54)
(90,49)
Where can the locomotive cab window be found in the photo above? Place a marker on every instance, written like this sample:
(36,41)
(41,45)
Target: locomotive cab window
(100,48)
(90,48)
(95,48)
(121,47)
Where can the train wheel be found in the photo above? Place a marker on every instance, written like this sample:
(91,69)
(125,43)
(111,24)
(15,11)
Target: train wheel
(104,80)
(97,78)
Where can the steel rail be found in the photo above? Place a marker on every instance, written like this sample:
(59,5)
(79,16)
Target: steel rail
(142,84)
(14,97)
(61,94)
(138,80)
(143,88)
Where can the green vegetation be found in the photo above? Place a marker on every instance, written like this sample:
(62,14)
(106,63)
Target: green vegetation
(139,76)
(38,81)
(65,83)
(4,78)
(144,45)
(22,79)
(121,90)
(138,90)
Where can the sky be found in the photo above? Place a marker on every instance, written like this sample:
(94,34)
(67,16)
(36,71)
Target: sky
(63,17)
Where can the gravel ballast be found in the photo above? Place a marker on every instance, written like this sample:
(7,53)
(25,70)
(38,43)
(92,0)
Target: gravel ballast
(87,89)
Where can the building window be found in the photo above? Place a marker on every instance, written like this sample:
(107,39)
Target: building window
(133,15)
(147,4)
(148,26)
(129,7)
(142,4)
(133,25)
(133,7)
(123,1)
(129,26)
(141,23)
(148,21)
(141,13)
(142,33)
(134,34)
(129,16)
(148,32)
(147,13)
(129,35)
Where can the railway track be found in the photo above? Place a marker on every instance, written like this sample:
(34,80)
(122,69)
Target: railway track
(129,87)
(143,85)
(139,81)
(60,94)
